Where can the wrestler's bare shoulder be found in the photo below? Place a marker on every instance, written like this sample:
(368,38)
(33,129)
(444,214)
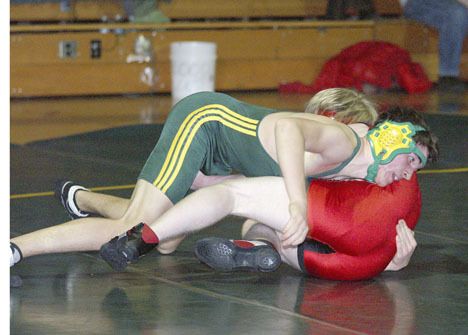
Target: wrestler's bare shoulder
(285,114)
(266,129)
(267,125)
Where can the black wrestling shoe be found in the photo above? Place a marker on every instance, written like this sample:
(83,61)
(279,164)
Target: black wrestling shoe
(227,255)
(65,191)
(126,248)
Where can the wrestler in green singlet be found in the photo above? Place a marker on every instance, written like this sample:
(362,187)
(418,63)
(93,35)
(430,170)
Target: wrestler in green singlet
(212,133)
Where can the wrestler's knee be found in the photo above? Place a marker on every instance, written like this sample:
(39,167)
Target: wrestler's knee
(235,194)
(246,226)
(165,249)
(121,225)
(168,247)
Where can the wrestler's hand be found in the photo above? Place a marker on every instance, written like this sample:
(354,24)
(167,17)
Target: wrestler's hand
(296,229)
(406,244)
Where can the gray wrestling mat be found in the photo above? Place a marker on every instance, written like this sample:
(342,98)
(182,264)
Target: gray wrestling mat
(78,293)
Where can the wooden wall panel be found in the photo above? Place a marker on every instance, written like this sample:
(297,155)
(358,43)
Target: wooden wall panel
(49,11)
(464,65)
(410,36)
(44,48)
(186,9)
(84,10)
(97,10)
(413,37)
(89,10)
(247,59)
(320,43)
(387,7)
(54,80)
(232,44)
(77,79)
(264,74)
(421,41)
(250,56)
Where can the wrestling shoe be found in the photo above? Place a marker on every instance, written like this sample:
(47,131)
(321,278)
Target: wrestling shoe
(15,254)
(230,255)
(127,248)
(65,191)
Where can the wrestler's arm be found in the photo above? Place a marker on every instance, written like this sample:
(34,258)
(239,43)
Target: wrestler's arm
(340,266)
(293,137)
(406,244)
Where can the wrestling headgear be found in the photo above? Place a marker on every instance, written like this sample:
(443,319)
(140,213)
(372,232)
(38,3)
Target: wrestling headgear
(389,139)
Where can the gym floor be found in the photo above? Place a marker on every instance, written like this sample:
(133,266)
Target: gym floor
(102,143)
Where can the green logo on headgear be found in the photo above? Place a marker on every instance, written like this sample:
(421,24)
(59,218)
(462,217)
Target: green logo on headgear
(390,139)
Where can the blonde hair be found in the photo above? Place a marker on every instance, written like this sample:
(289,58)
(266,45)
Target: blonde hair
(349,106)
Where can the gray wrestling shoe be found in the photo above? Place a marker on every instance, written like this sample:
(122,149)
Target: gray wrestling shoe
(15,257)
(65,191)
(230,255)
(127,248)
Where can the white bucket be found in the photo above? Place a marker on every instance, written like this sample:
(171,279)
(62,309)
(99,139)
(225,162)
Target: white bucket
(193,66)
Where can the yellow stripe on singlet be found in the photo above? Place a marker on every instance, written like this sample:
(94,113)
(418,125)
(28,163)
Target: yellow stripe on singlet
(185,128)
(187,131)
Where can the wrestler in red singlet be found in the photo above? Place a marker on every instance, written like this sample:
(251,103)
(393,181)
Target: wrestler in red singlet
(357,220)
